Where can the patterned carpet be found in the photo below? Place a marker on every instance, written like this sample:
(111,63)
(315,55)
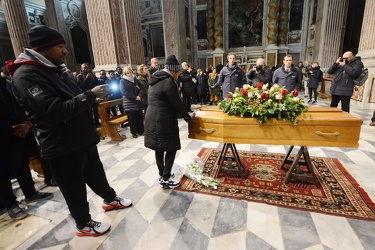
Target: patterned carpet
(339,193)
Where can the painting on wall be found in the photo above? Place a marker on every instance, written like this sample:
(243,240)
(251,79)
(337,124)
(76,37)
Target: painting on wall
(245,23)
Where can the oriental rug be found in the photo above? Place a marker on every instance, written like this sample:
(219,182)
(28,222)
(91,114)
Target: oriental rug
(338,195)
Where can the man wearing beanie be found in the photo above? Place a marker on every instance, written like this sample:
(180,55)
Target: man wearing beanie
(161,125)
(61,113)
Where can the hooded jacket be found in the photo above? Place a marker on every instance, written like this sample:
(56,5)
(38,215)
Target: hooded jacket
(342,83)
(55,104)
(164,105)
(290,80)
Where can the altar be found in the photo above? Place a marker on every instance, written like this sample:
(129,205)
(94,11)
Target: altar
(320,126)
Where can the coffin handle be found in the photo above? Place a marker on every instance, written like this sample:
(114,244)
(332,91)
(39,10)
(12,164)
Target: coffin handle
(207,130)
(322,133)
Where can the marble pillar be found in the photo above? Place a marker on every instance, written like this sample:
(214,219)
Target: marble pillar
(283,30)
(174,28)
(210,24)
(367,52)
(17,22)
(332,25)
(218,53)
(283,22)
(56,20)
(115,33)
(272,48)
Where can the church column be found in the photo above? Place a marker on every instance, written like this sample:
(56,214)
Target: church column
(210,31)
(174,28)
(17,22)
(117,42)
(218,53)
(367,52)
(271,50)
(332,24)
(283,30)
(54,12)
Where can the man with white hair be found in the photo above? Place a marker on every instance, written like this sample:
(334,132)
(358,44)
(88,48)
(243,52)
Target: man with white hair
(260,73)
(154,66)
(185,82)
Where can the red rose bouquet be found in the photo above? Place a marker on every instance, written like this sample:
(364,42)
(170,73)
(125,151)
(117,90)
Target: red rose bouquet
(264,103)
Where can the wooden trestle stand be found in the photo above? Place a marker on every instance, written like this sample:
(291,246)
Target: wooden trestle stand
(228,168)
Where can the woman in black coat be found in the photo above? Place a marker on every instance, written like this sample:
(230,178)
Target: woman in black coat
(161,124)
(132,91)
(316,76)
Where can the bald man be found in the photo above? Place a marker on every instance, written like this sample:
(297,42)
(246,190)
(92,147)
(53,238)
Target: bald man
(260,73)
(346,68)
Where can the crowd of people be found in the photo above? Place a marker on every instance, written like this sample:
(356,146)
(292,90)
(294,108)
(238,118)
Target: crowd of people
(52,112)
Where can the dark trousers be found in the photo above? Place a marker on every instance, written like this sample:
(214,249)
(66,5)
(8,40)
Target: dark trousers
(164,161)
(72,173)
(95,113)
(186,99)
(313,90)
(24,178)
(345,102)
(136,122)
(373,117)
(113,110)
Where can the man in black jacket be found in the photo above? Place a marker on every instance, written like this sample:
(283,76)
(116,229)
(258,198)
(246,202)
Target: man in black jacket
(62,116)
(185,82)
(260,73)
(87,80)
(346,68)
(17,144)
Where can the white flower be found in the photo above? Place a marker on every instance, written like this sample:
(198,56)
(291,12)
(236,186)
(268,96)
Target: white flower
(295,99)
(246,86)
(279,96)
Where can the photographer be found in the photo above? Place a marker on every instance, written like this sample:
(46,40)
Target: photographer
(260,73)
(346,68)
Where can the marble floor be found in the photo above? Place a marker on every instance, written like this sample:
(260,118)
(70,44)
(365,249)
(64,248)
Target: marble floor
(167,219)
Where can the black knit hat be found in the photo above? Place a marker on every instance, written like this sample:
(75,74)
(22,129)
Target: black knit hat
(172,64)
(42,37)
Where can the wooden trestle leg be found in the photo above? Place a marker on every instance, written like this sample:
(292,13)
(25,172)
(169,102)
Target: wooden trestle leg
(228,168)
(295,172)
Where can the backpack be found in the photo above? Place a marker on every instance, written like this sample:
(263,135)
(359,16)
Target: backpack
(361,79)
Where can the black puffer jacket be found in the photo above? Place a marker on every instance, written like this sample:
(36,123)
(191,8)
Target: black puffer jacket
(315,77)
(60,111)
(130,89)
(186,83)
(343,84)
(164,105)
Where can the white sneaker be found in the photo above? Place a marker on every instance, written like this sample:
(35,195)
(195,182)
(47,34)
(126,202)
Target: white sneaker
(161,177)
(170,183)
(93,229)
(117,203)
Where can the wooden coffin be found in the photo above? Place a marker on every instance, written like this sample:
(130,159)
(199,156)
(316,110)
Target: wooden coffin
(325,127)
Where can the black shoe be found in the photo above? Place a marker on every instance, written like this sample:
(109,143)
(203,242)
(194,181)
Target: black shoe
(135,136)
(39,196)
(190,111)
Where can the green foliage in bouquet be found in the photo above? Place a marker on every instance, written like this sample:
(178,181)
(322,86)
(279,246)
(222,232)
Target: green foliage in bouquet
(264,103)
